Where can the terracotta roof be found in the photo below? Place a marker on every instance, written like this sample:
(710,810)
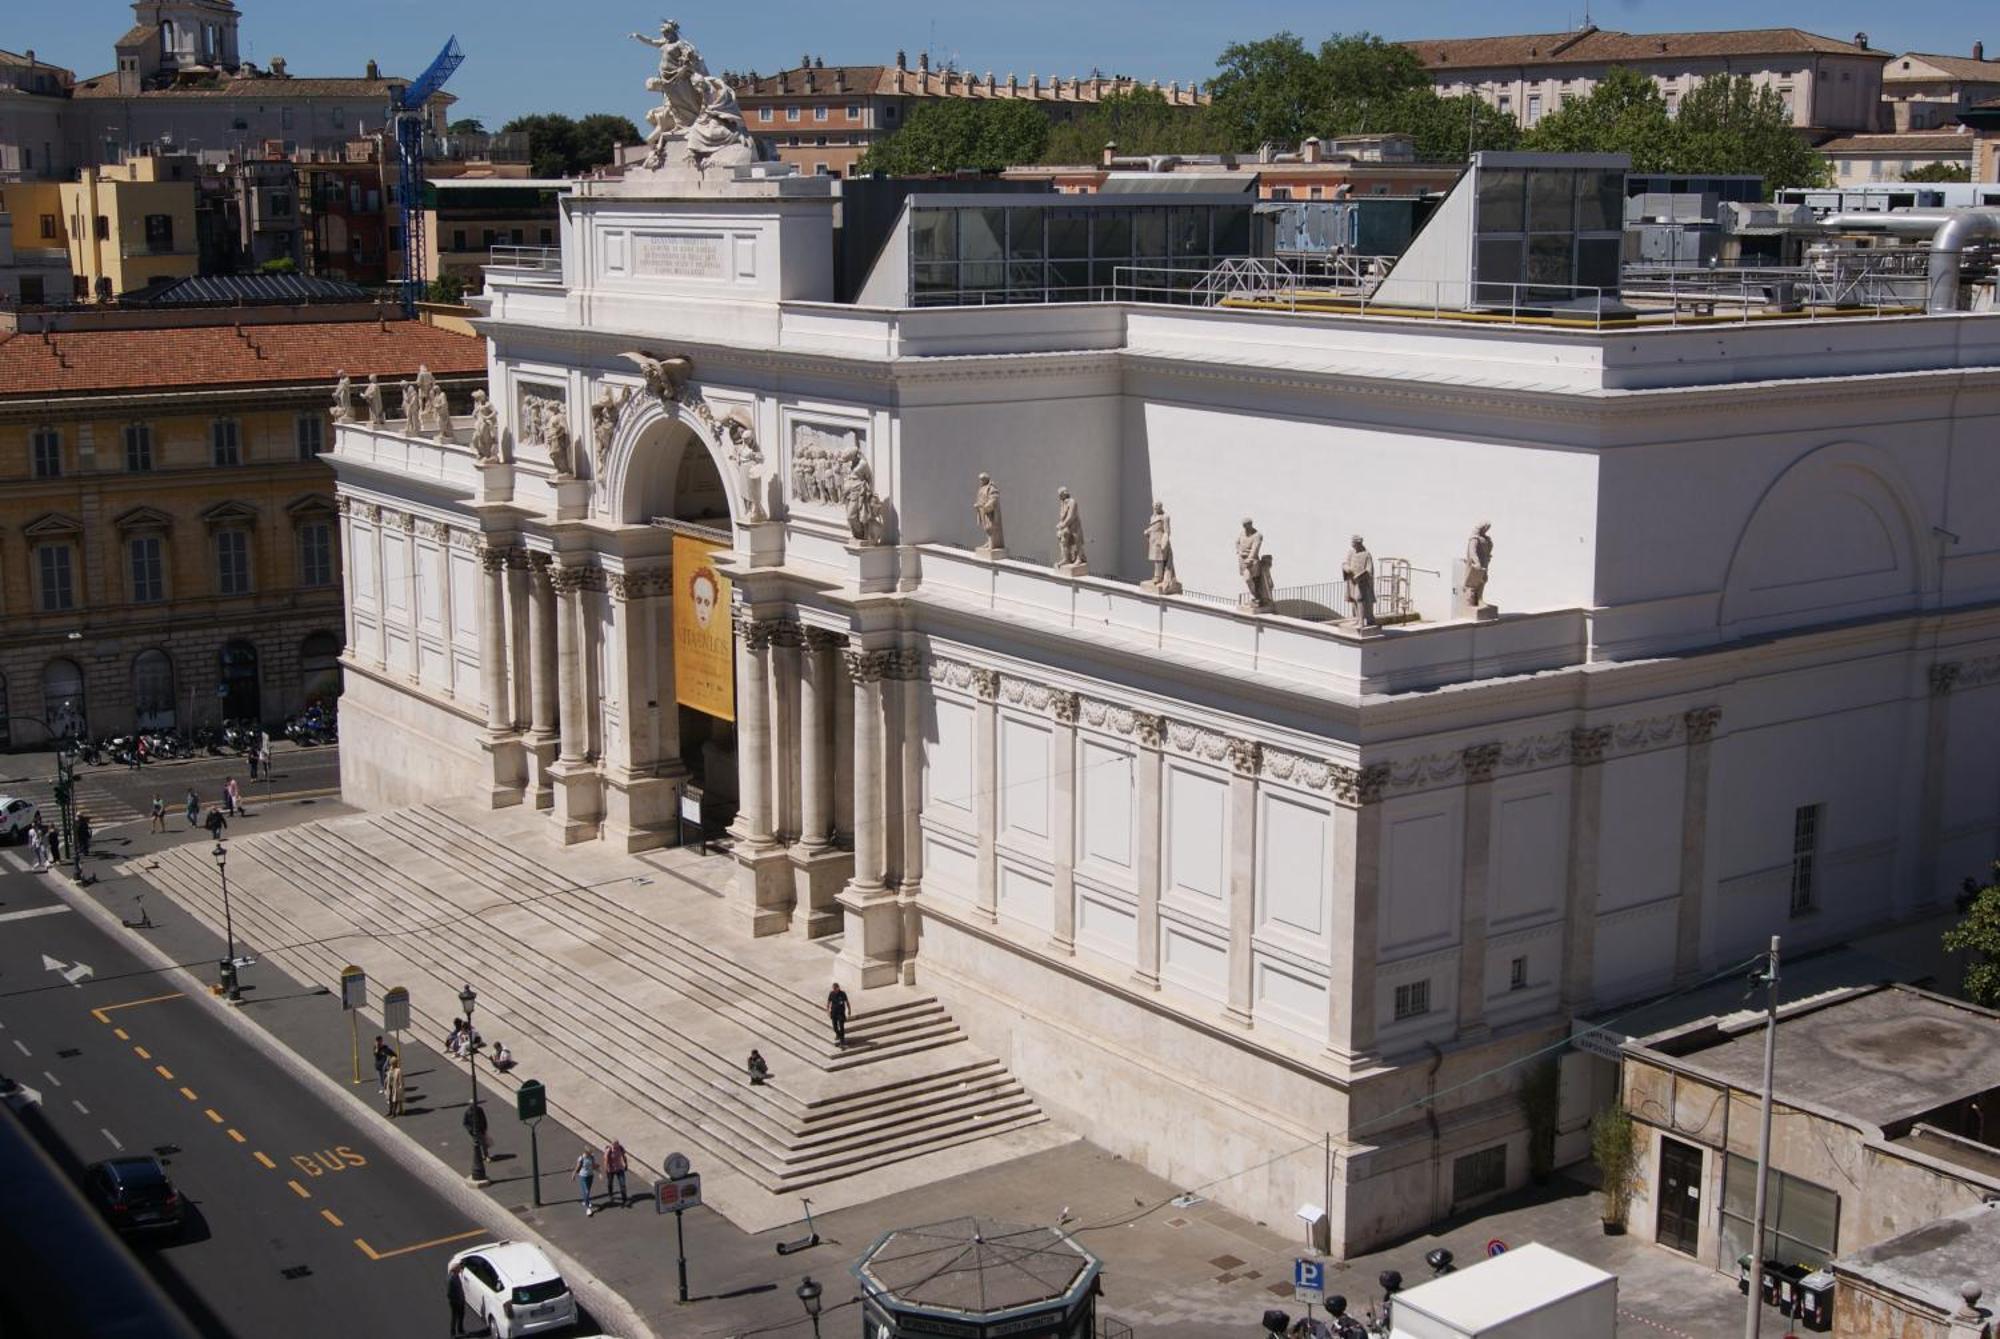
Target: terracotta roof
(834,81)
(1600,46)
(16,58)
(144,32)
(1958,67)
(1941,142)
(178,358)
(269,87)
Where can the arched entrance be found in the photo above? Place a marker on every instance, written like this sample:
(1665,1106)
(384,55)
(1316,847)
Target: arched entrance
(237,683)
(63,706)
(319,669)
(671,478)
(153,690)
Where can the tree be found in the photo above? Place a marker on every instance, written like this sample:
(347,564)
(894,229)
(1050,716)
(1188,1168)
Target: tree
(1940,172)
(560,147)
(1362,68)
(1728,124)
(1614,1146)
(1625,113)
(1140,121)
(446,290)
(1446,130)
(1272,91)
(958,134)
(1978,934)
(466,125)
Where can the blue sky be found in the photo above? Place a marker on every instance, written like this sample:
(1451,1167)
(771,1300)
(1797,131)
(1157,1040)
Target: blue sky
(571,56)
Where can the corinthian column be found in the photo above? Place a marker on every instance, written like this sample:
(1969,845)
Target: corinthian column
(541,676)
(753,730)
(567,583)
(871,944)
(493,638)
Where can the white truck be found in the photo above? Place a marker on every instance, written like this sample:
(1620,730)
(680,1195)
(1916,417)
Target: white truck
(1530,1293)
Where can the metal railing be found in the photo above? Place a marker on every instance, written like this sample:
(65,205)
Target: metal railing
(526,259)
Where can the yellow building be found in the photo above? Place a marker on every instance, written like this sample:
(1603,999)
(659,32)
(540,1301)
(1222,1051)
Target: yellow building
(34,244)
(168,551)
(467,217)
(131,223)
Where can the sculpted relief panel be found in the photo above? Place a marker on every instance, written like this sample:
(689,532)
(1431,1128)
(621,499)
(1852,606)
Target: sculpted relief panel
(819,463)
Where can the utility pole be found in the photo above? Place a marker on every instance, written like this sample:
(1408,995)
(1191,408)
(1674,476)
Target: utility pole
(1753,1318)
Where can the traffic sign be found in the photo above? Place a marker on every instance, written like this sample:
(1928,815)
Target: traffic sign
(353,987)
(1495,1247)
(1308,1280)
(531,1100)
(396,1009)
(677,1193)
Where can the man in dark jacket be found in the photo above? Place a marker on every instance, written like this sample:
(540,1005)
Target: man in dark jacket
(454,1296)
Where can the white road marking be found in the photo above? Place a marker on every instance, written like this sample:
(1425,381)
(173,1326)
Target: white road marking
(57,909)
(13,858)
(112,1137)
(23,1046)
(81,1109)
(52,1078)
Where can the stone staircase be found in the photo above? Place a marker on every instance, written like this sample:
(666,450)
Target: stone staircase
(645,982)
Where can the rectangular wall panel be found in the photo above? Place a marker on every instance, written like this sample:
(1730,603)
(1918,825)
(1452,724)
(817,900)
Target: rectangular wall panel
(1024,777)
(1106,781)
(1197,961)
(1292,875)
(948,764)
(1197,826)
(1420,874)
(430,587)
(396,573)
(1529,860)
(1290,996)
(1026,897)
(1108,927)
(949,868)
(464,599)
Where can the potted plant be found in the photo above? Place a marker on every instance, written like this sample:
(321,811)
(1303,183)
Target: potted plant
(1614,1147)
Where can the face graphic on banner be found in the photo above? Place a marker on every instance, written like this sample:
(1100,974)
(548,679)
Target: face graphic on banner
(702,589)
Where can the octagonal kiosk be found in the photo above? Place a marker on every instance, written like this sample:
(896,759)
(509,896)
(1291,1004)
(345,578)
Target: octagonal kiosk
(969,1278)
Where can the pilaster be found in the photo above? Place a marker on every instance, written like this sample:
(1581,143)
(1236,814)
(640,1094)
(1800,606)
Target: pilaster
(986,782)
(1699,726)
(1586,751)
(1937,747)
(507,777)
(1063,708)
(542,686)
(1150,731)
(1475,880)
(1350,1027)
(578,794)
(764,874)
(1244,760)
(819,867)
(871,943)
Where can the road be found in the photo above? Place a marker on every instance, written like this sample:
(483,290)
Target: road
(114,795)
(303,1226)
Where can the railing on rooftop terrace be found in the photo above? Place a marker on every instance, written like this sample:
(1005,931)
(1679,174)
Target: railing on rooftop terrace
(526,259)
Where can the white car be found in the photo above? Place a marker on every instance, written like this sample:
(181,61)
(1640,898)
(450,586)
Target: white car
(15,816)
(512,1288)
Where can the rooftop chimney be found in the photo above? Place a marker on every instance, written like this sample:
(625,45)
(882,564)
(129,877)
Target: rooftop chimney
(923,62)
(902,61)
(1861,40)
(1110,152)
(374,70)
(1978,51)
(1309,152)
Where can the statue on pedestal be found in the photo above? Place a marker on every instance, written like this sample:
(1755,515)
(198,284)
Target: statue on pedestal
(343,399)
(698,122)
(604,413)
(1478,564)
(740,443)
(1359,572)
(371,399)
(485,430)
(440,413)
(986,510)
(555,435)
(412,411)
(1069,535)
(1160,552)
(865,519)
(1254,567)
(426,383)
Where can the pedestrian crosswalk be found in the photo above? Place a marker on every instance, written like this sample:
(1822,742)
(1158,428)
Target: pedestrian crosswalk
(103,806)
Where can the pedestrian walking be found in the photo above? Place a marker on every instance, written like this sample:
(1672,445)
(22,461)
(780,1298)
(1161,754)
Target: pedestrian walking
(759,1071)
(382,1054)
(836,1009)
(454,1297)
(159,814)
(232,795)
(193,808)
(586,1176)
(253,763)
(39,845)
(475,1125)
(395,1094)
(614,1173)
(82,835)
(216,822)
(138,753)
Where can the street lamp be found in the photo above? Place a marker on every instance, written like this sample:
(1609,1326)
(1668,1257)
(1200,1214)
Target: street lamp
(809,1299)
(467,998)
(229,987)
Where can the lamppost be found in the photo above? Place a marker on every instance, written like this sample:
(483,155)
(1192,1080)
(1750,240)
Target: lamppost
(809,1299)
(467,998)
(230,991)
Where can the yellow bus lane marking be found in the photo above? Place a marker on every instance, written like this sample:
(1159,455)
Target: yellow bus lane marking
(331,1217)
(374,1254)
(299,1190)
(269,1166)
(237,1135)
(101,1010)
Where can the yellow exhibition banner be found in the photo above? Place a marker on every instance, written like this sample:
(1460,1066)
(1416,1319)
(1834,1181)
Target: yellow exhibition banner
(704,647)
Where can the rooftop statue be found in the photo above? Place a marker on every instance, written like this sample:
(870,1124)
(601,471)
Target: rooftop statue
(698,122)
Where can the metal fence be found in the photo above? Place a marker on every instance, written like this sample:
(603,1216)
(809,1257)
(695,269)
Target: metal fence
(528,259)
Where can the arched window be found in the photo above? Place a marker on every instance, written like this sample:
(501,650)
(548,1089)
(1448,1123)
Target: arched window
(237,683)
(153,690)
(319,668)
(63,706)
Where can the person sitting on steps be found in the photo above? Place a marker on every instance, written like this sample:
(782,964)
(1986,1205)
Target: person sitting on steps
(759,1071)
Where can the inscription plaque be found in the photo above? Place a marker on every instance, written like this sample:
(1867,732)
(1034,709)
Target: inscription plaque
(678,257)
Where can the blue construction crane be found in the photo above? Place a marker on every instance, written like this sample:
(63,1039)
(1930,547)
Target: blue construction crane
(406,113)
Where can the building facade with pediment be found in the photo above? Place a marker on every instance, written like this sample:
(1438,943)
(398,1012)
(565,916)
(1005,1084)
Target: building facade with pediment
(1274,901)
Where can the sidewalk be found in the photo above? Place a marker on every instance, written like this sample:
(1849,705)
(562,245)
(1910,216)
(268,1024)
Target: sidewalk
(1179,1270)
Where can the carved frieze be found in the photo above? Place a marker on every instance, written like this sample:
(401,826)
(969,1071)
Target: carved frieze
(645,584)
(1479,762)
(1700,723)
(1944,675)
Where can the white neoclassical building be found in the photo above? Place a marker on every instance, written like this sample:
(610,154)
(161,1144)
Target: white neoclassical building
(1228,887)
